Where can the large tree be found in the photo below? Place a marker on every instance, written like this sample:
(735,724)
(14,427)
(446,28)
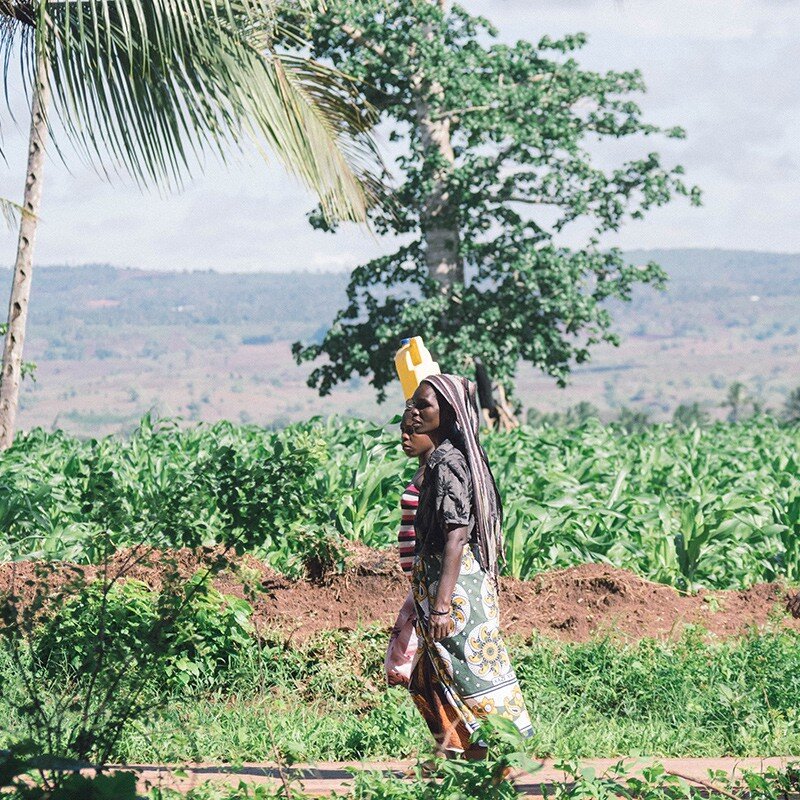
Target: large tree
(147,86)
(494,163)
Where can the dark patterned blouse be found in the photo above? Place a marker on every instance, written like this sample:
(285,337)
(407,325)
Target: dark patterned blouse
(444,499)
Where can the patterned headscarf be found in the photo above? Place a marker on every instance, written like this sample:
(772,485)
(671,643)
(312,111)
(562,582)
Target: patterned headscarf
(461,395)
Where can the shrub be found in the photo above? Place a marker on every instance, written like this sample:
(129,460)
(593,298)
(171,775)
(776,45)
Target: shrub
(192,636)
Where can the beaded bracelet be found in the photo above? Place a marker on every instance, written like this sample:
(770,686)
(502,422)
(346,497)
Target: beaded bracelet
(440,613)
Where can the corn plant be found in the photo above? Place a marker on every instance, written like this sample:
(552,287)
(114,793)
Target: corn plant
(718,507)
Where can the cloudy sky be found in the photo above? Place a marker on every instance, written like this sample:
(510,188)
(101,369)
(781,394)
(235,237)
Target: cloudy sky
(726,70)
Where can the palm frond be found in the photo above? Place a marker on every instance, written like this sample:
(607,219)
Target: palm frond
(11,212)
(333,127)
(146,87)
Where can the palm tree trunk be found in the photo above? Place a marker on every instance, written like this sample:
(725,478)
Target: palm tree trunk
(21,286)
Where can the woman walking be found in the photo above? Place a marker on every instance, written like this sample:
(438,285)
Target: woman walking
(403,639)
(462,673)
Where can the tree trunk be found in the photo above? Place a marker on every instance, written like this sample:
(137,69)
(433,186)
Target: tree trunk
(439,227)
(21,284)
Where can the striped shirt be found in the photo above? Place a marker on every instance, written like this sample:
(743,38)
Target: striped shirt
(407,537)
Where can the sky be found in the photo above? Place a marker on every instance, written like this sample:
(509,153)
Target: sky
(725,70)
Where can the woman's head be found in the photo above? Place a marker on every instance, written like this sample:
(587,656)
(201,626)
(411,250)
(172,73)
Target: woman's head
(415,445)
(431,414)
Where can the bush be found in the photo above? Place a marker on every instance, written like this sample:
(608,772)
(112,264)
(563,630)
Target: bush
(791,411)
(193,637)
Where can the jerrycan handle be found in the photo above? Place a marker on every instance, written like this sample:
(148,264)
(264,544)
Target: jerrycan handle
(416,356)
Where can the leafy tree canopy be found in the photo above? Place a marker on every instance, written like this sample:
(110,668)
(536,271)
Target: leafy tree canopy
(494,162)
(791,411)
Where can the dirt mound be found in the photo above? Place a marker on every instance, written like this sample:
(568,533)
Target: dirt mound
(580,602)
(573,604)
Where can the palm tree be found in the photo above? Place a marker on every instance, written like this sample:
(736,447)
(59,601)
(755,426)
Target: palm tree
(146,87)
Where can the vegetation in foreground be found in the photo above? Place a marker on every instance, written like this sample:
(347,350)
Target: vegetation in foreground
(116,671)
(714,507)
(220,693)
(463,780)
(454,780)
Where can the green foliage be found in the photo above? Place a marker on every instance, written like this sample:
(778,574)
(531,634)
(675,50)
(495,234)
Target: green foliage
(325,700)
(653,697)
(690,697)
(222,85)
(690,415)
(632,421)
(624,780)
(716,507)
(573,417)
(242,488)
(791,411)
(457,780)
(213,791)
(127,624)
(18,763)
(82,662)
(495,165)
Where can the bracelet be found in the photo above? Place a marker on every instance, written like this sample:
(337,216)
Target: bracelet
(439,613)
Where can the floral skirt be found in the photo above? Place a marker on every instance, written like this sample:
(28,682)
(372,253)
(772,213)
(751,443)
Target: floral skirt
(460,680)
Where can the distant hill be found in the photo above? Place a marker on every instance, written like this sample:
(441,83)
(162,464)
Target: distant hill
(111,343)
(726,271)
(97,294)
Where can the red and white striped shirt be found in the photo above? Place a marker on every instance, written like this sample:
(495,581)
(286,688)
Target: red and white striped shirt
(407,538)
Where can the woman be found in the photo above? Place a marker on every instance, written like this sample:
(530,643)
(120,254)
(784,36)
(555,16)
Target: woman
(403,639)
(462,672)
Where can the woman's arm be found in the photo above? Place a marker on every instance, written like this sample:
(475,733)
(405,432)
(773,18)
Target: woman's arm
(440,624)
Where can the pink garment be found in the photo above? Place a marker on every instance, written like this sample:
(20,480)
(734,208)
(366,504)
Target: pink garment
(402,645)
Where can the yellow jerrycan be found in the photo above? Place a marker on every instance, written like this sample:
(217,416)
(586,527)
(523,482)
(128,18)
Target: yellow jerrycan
(414,363)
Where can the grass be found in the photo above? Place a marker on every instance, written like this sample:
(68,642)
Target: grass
(324,700)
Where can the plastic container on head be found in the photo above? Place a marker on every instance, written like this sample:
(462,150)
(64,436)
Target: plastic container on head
(414,363)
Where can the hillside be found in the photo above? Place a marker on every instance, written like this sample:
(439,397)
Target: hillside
(112,343)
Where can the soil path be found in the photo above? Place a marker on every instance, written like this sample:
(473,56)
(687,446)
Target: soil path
(324,778)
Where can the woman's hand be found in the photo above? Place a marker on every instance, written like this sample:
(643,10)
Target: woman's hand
(440,625)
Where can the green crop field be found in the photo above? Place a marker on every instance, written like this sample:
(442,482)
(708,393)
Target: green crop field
(116,669)
(717,507)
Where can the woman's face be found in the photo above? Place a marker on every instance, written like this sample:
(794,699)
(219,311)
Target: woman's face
(425,416)
(414,445)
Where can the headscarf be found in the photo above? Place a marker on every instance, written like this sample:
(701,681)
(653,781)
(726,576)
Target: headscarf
(460,393)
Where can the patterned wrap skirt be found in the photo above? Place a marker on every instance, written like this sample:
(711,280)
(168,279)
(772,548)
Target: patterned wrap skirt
(459,681)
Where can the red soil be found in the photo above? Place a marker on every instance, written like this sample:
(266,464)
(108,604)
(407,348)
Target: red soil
(572,605)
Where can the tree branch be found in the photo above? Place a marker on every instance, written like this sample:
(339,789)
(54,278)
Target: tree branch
(536,201)
(457,111)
